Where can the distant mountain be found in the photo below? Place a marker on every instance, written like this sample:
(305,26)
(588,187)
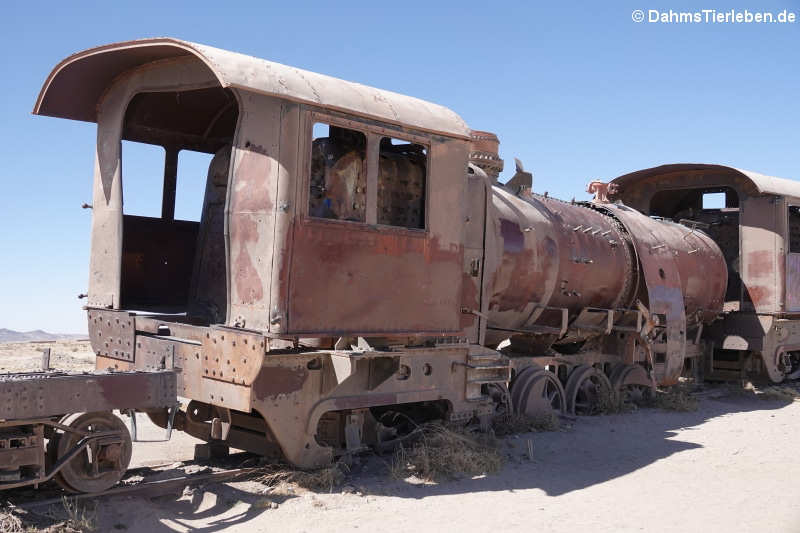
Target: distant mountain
(9,335)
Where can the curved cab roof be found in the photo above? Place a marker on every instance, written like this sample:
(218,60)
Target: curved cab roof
(763,184)
(75,86)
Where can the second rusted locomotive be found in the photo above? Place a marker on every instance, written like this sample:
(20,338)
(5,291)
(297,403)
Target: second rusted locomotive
(355,257)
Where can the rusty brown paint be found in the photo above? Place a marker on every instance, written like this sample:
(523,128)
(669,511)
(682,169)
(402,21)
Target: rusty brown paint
(250,287)
(253,180)
(793,282)
(759,294)
(276,380)
(760,263)
(128,393)
(351,402)
(470,300)
(349,277)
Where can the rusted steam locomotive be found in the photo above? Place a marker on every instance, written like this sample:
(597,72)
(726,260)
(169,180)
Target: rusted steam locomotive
(356,258)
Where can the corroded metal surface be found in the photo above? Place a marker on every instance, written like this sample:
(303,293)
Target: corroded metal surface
(793,282)
(760,183)
(754,233)
(75,84)
(338,283)
(40,395)
(112,334)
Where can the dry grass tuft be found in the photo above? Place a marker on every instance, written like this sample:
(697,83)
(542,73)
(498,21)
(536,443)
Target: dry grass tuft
(79,518)
(323,479)
(10,522)
(673,399)
(440,453)
(518,423)
(783,393)
(72,517)
(608,403)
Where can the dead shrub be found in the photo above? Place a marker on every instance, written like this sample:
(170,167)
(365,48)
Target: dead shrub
(782,393)
(10,522)
(519,423)
(608,403)
(439,453)
(323,479)
(79,518)
(673,399)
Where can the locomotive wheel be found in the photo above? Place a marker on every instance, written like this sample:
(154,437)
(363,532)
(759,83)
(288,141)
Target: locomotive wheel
(539,393)
(589,391)
(631,384)
(518,384)
(97,467)
(51,456)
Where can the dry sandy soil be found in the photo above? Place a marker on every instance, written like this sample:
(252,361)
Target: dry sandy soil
(731,465)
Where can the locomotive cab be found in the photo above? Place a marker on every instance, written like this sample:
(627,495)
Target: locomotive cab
(297,251)
(756,222)
(317,193)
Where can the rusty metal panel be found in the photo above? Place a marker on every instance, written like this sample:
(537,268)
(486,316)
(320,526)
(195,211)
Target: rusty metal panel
(521,261)
(346,279)
(75,85)
(232,355)
(552,253)
(251,220)
(662,274)
(758,183)
(354,277)
(112,334)
(761,262)
(286,212)
(154,353)
(475,198)
(42,395)
(793,282)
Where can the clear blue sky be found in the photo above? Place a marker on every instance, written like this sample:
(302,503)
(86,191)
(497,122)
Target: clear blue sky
(577,93)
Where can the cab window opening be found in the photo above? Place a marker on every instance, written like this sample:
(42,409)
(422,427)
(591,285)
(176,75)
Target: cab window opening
(402,177)
(142,178)
(176,150)
(794,229)
(339,182)
(338,179)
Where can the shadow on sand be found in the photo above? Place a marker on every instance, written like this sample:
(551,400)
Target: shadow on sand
(589,451)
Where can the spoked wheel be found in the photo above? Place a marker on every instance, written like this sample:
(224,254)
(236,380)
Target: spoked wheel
(537,392)
(100,465)
(631,384)
(589,391)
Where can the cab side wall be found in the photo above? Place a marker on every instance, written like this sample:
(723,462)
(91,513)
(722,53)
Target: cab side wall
(362,278)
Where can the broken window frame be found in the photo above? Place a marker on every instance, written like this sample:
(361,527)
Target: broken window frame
(374,133)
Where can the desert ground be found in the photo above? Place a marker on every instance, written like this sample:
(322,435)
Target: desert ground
(729,465)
